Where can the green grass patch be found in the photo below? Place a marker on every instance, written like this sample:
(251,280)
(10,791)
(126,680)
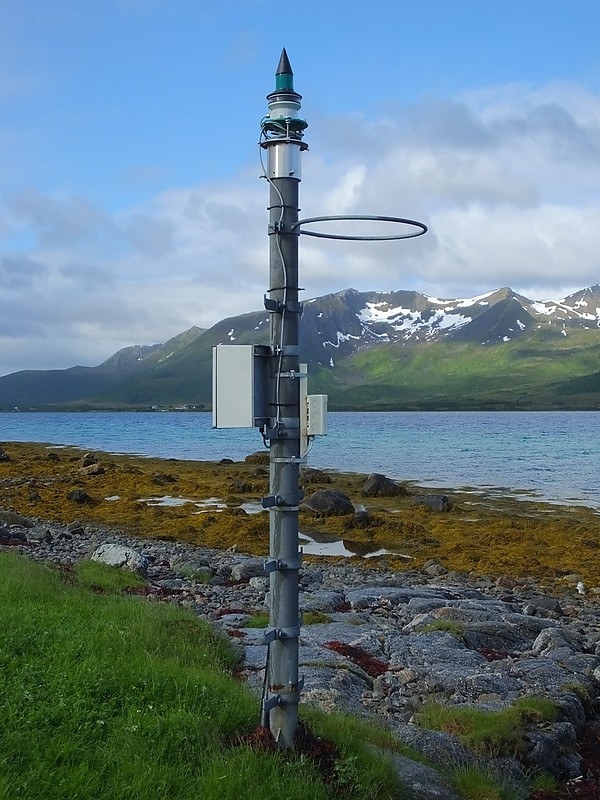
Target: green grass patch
(102,578)
(478,783)
(259,620)
(489,732)
(109,696)
(357,770)
(444,625)
(315,618)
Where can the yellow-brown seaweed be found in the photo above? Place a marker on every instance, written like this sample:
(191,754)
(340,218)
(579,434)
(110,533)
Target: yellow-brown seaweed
(483,534)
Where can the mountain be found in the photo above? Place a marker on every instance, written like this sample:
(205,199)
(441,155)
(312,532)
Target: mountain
(372,350)
(79,385)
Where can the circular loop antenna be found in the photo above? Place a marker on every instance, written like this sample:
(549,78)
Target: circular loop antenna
(420,228)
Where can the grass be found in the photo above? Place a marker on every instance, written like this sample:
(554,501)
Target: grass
(100,578)
(489,732)
(106,696)
(258,620)
(479,783)
(542,370)
(444,625)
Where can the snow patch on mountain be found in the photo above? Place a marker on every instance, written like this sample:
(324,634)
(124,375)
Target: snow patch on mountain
(410,321)
(341,337)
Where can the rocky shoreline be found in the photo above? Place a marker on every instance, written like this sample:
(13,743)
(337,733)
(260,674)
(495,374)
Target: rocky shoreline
(388,642)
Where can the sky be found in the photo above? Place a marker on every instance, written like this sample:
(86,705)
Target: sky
(131,199)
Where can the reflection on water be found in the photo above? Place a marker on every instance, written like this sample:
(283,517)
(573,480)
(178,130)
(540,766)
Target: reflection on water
(320,544)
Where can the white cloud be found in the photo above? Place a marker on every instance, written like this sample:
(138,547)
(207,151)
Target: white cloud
(506,178)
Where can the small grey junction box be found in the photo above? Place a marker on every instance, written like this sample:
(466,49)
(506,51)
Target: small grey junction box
(239,388)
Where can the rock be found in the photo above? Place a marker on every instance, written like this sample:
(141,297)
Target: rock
(79,496)
(361,519)
(572,579)
(378,485)
(437,747)
(433,568)
(312,475)
(75,528)
(421,781)
(163,478)
(240,487)
(543,606)
(88,459)
(93,469)
(52,456)
(552,639)
(328,503)
(260,457)
(195,569)
(546,751)
(506,582)
(321,600)
(117,555)
(4,455)
(39,535)
(249,568)
(435,502)
(10,536)
(11,518)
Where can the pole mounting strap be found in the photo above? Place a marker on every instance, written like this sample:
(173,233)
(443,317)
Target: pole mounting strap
(281,227)
(279,565)
(276,306)
(277,501)
(281,633)
(290,697)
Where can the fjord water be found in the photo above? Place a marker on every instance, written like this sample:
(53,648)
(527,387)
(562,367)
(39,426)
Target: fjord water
(552,455)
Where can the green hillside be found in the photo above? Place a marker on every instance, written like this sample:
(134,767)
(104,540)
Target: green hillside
(543,370)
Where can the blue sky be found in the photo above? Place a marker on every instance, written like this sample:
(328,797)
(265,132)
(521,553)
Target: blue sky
(130,201)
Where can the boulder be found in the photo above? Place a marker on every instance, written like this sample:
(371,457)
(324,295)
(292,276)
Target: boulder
(79,496)
(248,568)
(93,469)
(312,475)
(163,478)
(261,457)
(40,535)
(328,503)
(118,555)
(4,455)
(88,459)
(11,535)
(12,518)
(75,528)
(378,485)
(435,502)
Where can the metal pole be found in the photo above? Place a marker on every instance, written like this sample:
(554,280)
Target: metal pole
(282,138)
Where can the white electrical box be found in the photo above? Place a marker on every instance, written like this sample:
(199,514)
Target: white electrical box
(316,414)
(240,384)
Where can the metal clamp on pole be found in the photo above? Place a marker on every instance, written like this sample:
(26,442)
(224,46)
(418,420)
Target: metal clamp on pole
(277,307)
(271,634)
(291,696)
(278,565)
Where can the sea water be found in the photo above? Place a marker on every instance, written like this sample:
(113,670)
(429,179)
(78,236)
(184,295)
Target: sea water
(551,455)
